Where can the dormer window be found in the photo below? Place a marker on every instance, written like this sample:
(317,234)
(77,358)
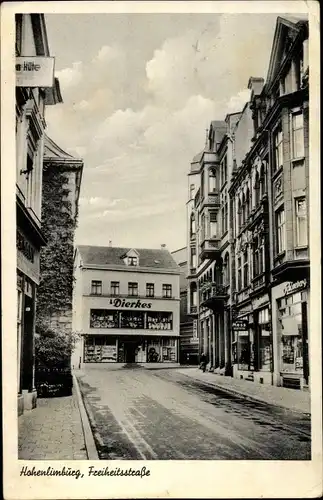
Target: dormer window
(132,261)
(131,258)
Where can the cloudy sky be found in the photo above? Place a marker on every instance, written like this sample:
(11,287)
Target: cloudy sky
(139,91)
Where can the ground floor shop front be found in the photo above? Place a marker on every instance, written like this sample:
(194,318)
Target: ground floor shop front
(129,349)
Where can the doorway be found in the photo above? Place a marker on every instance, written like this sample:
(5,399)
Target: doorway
(130,351)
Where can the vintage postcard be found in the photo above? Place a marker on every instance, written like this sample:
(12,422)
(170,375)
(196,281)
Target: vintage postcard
(161,250)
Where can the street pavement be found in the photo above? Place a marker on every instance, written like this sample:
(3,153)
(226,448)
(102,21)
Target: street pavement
(165,415)
(52,431)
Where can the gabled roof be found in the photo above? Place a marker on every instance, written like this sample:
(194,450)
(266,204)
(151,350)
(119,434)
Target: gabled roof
(113,256)
(286,31)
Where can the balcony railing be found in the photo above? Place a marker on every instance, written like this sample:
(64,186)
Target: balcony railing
(258,282)
(214,294)
(211,199)
(210,247)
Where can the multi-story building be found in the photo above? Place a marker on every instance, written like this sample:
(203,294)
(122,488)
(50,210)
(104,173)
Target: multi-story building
(188,342)
(126,305)
(62,175)
(260,301)
(31,100)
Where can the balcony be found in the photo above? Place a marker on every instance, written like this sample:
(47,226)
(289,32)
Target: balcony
(211,200)
(210,248)
(216,295)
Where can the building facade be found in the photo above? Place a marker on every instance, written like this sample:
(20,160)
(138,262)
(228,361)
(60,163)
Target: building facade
(31,40)
(189,341)
(62,176)
(126,306)
(248,231)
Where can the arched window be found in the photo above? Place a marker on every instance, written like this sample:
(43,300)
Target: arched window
(257,189)
(212,181)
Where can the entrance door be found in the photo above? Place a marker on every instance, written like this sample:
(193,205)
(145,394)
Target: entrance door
(130,352)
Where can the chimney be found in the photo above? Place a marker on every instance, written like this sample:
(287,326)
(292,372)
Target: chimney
(110,243)
(163,246)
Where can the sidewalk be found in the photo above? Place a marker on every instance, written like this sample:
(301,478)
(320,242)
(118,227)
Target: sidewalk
(52,431)
(291,399)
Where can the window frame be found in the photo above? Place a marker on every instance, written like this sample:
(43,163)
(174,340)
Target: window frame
(95,285)
(150,290)
(294,153)
(133,287)
(116,285)
(299,217)
(280,231)
(278,147)
(167,290)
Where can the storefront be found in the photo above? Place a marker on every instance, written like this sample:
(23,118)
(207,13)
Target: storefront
(252,345)
(291,303)
(129,349)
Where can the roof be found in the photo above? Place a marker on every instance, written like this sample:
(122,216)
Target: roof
(113,256)
(55,153)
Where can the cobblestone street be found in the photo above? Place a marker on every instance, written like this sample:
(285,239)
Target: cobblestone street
(52,431)
(164,415)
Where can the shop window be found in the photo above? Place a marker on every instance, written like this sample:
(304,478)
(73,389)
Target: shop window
(278,148)
(100,349)
(297,135)
(159,320)
(169,349)
(154,351)
(280,230)
(265,344)
(290,328)
(167,291)
(150,290)
(115,288)
(103,318)
(132,289)
(96,287)
(243,350)
(132,319)
(301,221)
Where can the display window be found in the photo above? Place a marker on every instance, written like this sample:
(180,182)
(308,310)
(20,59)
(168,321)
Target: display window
(265,342)
(100,350)
(132,319)
(169,349)
(159,320)
(243,350)
(290,328)
(103,318)
(154,351)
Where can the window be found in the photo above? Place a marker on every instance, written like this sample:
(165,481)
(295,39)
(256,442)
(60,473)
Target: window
(280,225)
(212,181)
(239,274)
(132,261)
(301,222)
(133,289)
(193,225)
(240,216)
(132,319)
(245,269)
(167,291)
(262,182)
(18,18)
(247,205)
(150,290)
(213,224)
(115,285)
(192,189)
(96,287)
(193,257)
(29,180)
(257,190)
(256,267)
(103,318)
(278,145)
(159,320)
(297,135)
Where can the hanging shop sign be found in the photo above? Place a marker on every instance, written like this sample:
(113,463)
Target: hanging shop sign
(25,247)
(240,325)
(130,304)
(295,287)
(35,71)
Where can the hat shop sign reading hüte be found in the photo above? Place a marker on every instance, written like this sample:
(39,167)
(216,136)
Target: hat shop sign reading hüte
(35,71)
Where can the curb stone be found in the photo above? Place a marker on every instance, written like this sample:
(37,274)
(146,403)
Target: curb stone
(87,432)
(251,397)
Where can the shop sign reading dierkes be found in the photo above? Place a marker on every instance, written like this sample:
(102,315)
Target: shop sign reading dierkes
(240,324)
(293,287)
(34,71)
(137,304)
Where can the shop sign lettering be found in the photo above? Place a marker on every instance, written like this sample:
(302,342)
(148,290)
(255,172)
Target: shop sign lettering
(34,71)
(293,287)
(133,305)
(25,247)
(240,325)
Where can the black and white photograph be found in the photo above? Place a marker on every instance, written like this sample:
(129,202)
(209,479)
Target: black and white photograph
(163,261)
